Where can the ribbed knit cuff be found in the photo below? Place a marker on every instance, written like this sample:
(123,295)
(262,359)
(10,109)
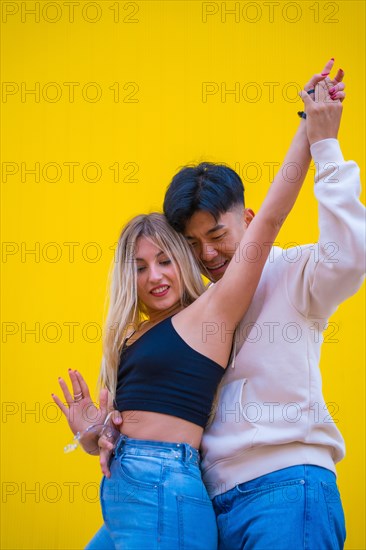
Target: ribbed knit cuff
(327,150)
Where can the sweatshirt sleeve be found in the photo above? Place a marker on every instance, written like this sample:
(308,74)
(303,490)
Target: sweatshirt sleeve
(333,269)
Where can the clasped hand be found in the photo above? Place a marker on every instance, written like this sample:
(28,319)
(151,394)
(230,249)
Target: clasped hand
(322,97)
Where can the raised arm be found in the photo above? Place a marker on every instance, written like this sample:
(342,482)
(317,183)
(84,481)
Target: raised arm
(232,295)
(332,269)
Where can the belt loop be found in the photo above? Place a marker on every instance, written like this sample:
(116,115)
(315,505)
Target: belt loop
(119,445)
(186,454)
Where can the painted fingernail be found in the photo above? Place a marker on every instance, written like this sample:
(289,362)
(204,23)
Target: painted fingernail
(325,74)
(332,90)
(332,58)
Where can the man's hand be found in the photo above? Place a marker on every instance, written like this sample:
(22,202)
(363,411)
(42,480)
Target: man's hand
(106,446)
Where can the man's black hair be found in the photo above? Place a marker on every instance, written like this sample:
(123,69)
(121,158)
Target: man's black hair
(214,188)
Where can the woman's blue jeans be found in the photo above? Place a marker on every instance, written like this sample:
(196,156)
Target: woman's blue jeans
(155,499)
(297,508)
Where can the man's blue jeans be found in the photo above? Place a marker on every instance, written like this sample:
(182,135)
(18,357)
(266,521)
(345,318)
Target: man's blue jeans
(297,508)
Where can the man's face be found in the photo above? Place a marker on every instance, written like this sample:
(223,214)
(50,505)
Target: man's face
(214,242)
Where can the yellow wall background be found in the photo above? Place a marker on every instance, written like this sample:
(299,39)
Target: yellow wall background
(120,84)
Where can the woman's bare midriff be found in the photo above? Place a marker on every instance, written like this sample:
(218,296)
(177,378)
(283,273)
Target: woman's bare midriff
(160,427)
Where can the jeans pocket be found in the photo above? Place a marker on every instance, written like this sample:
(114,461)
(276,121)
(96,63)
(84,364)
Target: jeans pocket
(335,514)
(197,524)
(283,495)
(141,471)
(267,488)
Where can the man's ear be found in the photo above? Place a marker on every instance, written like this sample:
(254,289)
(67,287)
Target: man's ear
(248,215)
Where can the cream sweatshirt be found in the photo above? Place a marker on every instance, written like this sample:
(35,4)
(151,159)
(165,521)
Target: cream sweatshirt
(271,413)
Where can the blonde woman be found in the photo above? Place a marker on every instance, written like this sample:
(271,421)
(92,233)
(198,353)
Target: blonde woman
(166,348)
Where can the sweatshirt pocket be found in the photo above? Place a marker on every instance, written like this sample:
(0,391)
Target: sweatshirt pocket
(232,430)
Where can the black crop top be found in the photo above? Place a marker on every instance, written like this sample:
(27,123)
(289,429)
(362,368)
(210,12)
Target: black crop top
(161,373)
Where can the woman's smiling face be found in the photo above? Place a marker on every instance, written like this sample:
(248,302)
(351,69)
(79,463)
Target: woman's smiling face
(158,285)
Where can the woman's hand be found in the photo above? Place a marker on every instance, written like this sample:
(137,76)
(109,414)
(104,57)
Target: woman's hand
(79,409)
(335,86)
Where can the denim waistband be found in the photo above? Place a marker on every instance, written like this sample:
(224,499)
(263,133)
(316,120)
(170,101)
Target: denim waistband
(304,472)
(161,449)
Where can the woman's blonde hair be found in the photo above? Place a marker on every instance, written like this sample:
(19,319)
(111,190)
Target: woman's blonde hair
(126,311)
